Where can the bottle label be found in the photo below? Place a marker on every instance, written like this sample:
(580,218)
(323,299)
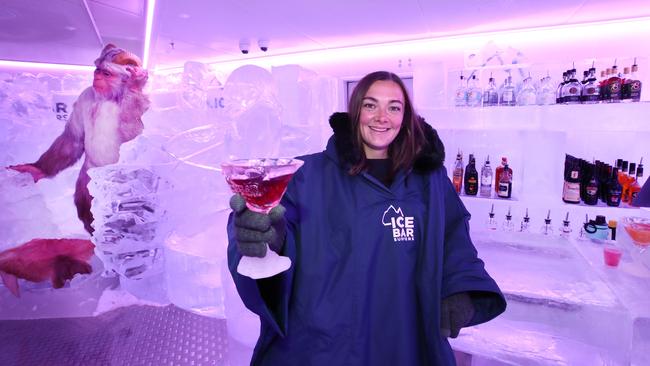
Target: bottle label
(635,90)
(571,99)
(486,190)
(615,199)
(591,190)
(591,98)
(571,192)
(504,189)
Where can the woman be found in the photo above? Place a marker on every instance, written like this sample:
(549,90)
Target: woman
(383,266)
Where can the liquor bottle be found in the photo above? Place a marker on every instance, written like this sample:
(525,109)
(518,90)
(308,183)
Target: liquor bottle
(571,189)
(497,173)
(591,186)
(460,98)
(625,94)
(591,90)
(545,92)
(474,94)
(471,177)
(630,184)
(458,172)
(491,94)
(604,87)
(486,178)
(505,183)
(633,188)
(631,89)
(613,190)
(526,95)
(614,85)
(558,92)
(622,172)
(508,93)
(572,90)
(604,173)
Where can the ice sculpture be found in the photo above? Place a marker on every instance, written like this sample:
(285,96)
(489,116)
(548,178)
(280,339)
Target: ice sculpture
(129,217)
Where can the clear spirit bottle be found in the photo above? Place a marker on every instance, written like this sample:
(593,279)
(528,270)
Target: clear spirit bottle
(526,95)
(474,93)
(460,98)
(508,93)
(486,179)
(491,94)
(546,92)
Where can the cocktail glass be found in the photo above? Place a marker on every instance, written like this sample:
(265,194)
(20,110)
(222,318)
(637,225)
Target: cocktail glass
(638,228)
(261,182)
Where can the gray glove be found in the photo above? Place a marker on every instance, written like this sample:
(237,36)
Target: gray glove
(253,229)
(456,312)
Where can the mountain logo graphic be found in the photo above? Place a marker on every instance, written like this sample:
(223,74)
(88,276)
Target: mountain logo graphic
(402,227)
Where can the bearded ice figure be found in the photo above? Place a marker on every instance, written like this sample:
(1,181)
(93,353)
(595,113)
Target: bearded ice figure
(104,117)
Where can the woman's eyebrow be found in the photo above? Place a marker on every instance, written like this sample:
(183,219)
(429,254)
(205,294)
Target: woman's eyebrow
(391,101)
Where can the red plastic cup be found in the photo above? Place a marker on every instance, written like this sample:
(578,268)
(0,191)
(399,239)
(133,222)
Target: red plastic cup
(612,256)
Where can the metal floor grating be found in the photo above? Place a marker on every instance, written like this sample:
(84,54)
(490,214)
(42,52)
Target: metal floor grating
(134,335)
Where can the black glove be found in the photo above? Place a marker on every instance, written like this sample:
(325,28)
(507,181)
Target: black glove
(253,229)
(456,312)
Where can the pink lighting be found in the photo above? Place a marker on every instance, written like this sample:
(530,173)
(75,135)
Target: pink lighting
(541,37)
(43,66)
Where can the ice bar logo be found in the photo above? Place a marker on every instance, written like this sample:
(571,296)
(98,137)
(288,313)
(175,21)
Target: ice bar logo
(402,226)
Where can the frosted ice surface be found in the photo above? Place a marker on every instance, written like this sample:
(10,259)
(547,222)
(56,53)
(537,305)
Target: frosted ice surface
(24,215)
(537,267)
(129,219)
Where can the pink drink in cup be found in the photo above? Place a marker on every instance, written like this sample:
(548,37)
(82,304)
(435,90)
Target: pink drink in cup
(612,256)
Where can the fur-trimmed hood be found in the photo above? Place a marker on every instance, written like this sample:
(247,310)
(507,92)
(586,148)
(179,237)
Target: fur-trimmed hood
(429,159)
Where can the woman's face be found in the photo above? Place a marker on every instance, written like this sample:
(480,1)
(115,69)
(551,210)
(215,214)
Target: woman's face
(382,112)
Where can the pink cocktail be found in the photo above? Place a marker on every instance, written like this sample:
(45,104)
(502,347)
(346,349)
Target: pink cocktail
(261,182)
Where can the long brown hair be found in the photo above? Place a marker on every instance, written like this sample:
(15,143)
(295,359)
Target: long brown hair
(409,141)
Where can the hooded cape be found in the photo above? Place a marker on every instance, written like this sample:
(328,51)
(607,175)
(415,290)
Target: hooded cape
(370,264)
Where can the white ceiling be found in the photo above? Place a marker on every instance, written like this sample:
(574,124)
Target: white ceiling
(73,31)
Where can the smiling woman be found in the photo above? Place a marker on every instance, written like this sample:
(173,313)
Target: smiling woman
(378,239)
(381,117)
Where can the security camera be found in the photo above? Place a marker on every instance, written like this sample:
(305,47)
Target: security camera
(264,44)
(244,46)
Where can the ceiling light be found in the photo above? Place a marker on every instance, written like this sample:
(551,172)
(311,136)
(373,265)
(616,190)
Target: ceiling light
(151,5)
(43,66)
